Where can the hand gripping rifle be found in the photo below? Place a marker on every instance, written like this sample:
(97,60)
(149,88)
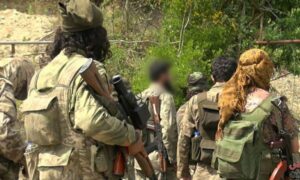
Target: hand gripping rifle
(163,157)
(283,145)
(128,105)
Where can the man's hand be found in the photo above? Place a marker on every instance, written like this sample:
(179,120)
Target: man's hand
(137,147)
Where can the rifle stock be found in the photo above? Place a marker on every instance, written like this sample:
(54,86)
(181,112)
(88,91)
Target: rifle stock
(279,171)
(145,165)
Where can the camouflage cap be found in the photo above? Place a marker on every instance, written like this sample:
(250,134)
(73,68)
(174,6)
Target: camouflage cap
(197,81)
(80,15)
(16,71)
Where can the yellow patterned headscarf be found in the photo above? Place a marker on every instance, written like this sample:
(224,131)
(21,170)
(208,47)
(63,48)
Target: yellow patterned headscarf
(255,69)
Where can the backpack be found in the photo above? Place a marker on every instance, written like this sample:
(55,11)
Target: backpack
(45,112)
(207,126)
(239,153)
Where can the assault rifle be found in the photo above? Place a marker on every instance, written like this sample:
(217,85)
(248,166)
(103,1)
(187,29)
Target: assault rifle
(283,147)
(128,106)
(139,115)
(163,156)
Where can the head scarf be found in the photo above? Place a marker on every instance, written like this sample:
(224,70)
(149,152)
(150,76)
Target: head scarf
(254,70)
(80,15)
(16,72)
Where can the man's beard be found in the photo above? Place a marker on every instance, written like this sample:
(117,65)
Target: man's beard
(168,86)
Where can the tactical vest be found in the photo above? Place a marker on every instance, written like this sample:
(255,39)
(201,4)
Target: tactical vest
(242,153)
(207,126)
(46,114)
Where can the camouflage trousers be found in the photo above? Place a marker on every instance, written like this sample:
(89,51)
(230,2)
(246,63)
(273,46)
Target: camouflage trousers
(9,171)
(204,171)
(170,175)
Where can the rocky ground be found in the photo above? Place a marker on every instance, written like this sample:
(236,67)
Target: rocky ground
(289,86)
(18,26)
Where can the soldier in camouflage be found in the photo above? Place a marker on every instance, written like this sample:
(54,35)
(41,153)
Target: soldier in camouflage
(197,83)
(15,75)
(77,131)
(161,87)
(222,70)
(249,90)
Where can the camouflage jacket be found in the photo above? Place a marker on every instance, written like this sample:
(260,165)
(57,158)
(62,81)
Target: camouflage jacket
(179,116)
(13,73)
(189,123)
(93,129)
(168,119)
(12,145)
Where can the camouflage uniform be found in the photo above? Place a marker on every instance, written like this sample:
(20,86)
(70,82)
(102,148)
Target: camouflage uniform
(197,82)
(179,115)
(86,150)
(13,74)
(190,122)
(79,141)
(169,130)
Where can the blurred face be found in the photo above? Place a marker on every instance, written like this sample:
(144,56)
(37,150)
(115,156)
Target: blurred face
(166,81)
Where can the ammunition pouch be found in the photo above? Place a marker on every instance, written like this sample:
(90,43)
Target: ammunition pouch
(207,127)
(207,149)
(41,120)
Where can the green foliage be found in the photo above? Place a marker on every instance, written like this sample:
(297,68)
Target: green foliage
(194,32)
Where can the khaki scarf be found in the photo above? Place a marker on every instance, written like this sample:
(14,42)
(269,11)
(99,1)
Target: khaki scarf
(254,70)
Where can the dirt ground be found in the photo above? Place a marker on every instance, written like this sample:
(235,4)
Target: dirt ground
(18,26)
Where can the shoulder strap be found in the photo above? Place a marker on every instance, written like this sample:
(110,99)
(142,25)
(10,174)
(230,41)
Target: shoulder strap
(277,103)
(155,104)
(71,71)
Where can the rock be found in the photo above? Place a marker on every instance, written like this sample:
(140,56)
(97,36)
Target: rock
(289,86)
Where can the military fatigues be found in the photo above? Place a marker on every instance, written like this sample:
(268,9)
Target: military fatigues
(197,83)
(258,105)
(290,125)
(169,129)
(12,145)
(179,116)
(190,122)
(87,129)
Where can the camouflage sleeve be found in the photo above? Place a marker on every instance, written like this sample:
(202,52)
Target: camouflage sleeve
(179,116)
(12,145)
(95,121)
(184,142)
(169,125)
